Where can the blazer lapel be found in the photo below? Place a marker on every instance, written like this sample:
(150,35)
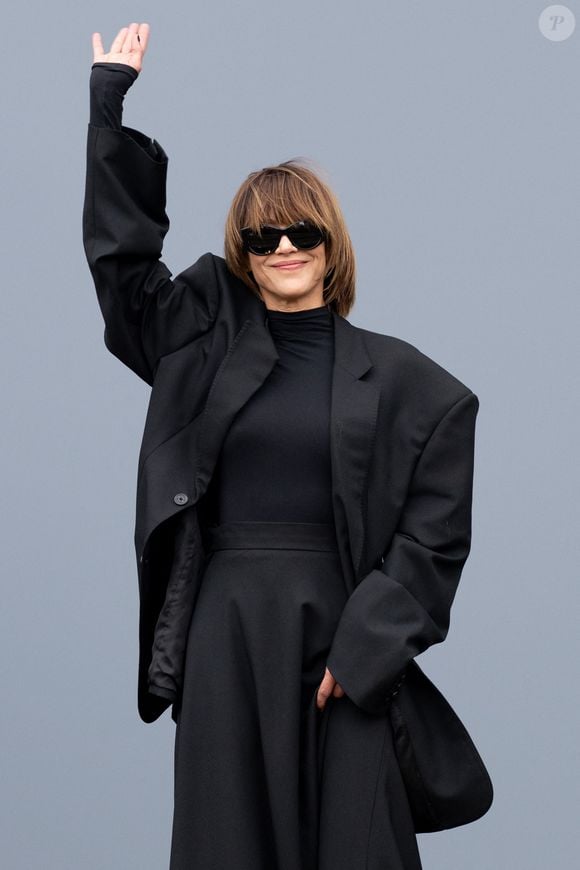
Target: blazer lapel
(353,419)
(178,471)
(354,406)
(249,360)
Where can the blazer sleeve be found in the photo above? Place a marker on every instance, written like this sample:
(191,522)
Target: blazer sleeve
(147,314)
(400,609)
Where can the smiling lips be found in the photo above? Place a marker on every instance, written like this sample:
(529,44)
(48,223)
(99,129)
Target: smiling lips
(290,266)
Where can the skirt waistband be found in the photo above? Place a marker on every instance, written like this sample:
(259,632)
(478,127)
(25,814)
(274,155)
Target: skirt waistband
(253,535)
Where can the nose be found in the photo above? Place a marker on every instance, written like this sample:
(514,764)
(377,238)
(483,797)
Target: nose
(285,246)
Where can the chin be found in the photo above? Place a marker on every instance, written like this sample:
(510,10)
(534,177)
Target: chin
(292,289)
(296,285)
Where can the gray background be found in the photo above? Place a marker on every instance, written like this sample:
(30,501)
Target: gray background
(450,133)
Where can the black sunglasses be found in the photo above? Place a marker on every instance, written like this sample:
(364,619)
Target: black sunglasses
(303,235)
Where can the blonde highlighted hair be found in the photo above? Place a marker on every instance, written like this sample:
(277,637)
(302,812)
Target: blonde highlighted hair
(281,195)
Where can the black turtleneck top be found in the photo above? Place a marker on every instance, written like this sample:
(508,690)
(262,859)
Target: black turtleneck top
(274,464)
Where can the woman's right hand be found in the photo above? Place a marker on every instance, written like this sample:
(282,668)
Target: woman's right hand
(125,48)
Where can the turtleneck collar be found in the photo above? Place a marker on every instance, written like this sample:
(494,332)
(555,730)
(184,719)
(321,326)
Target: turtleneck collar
(321,312)
(306,325)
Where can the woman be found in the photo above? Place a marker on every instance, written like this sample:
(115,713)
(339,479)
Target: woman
(303,507)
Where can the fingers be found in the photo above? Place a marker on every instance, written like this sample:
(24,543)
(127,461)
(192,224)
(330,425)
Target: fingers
(130,41)
(328,687)
(136,37)
(143,33)
(117,44)
(322,696)
(97,46)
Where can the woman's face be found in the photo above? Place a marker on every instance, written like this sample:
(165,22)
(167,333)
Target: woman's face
(290,278)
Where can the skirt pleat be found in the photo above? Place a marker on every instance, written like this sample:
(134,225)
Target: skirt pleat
(263,780)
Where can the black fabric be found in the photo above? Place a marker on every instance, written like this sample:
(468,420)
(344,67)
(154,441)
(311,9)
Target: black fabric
(275,461)
(264,780)
(108,84)
(261,774)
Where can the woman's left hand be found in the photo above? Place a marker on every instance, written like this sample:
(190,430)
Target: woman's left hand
(328,687)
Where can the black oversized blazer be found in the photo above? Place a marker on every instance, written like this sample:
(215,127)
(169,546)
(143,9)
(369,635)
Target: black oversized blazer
(402,433)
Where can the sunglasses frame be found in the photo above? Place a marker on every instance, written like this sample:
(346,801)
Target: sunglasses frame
(282,231)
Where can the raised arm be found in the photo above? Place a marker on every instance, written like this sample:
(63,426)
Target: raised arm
(146,313)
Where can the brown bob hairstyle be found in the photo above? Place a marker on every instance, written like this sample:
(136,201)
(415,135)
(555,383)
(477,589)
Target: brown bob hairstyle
(281,195)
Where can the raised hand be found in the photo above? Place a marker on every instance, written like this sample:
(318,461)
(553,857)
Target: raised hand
(128,46)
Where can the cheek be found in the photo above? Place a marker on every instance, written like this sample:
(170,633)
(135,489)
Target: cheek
(255,265)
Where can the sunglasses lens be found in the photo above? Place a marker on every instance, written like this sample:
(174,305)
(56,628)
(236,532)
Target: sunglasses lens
(262,243)
(303,235)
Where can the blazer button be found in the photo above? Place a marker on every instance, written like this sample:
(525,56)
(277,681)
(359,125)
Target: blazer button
(180,498)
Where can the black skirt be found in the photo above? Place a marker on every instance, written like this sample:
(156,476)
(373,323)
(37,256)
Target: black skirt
(263,779)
